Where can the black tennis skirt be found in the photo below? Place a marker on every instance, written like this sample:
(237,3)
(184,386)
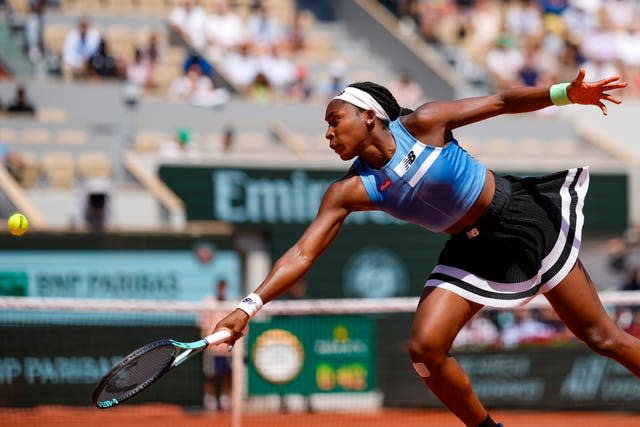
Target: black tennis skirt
(527,241)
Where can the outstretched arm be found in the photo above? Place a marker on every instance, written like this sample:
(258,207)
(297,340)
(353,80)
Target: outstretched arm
(342,197)
(453,114)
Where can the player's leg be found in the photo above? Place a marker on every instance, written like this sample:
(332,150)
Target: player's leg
(439,317)
(576,301)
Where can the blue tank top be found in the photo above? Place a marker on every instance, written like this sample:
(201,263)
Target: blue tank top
(432,187)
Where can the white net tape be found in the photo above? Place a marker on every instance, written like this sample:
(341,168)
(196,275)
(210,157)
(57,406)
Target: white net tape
(295,307)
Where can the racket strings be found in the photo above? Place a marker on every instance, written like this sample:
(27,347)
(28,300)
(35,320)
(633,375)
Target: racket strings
(137,372)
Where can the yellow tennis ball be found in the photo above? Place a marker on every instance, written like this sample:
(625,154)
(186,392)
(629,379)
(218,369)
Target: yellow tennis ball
(17,224)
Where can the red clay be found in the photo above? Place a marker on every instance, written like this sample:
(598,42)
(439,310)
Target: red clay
(157,415)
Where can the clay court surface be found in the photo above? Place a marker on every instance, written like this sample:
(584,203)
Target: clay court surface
(171,416)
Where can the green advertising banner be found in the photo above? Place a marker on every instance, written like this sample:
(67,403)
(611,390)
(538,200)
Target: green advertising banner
(316,354)
(175,275)
(292,196)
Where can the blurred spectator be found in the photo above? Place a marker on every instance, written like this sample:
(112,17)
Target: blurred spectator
(628,54)
(598,44)
(187,19)
(195,58)
(15,165)
(218,367)
(224,30)
(337,79)
(555,7)
(478,332)
(263,28)
(197,89)
(103,65)
(95,205)
(553,37)
(295,34)
(632,283)
(227,138)
(433,15)
(549,317)
(525,329)
(279,70)
(21,103)
(406,90)
(79,45)
(241,67)
(620,13)
(139,72)
(178,147)
(529,74)
(300,90)
(523,19)
(579,19)
(260,90)
(151,51)
(484,19)
(34,30)
(504,62)
(617,253)
(13,162)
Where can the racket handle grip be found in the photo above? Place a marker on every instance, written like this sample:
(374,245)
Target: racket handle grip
(217,337)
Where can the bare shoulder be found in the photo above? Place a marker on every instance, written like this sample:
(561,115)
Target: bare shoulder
(431,113)
(428,123)
(349,193)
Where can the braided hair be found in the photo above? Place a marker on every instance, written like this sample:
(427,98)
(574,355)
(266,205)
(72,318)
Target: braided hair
(384,97)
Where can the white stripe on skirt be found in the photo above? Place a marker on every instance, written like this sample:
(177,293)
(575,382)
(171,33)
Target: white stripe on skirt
(548,262)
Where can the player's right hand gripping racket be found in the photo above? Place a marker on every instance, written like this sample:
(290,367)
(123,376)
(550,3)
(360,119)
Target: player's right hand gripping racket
(144,366)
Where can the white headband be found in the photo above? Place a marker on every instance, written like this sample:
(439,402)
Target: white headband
(363,100)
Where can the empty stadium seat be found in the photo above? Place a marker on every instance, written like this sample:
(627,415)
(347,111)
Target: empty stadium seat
(93,165)
(54,35)
(19,6)
(71,137)
(124,7)
(51,115)
(36,136)
(8,136)
(31,169)
(154,7)
(149,142)
(58,169)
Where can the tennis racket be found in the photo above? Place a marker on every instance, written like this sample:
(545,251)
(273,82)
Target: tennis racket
(144,366)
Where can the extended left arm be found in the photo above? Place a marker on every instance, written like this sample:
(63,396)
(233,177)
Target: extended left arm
(454,114)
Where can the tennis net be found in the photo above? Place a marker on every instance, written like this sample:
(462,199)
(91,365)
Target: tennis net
(338,362)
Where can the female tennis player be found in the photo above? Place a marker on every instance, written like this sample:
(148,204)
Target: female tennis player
(510,238)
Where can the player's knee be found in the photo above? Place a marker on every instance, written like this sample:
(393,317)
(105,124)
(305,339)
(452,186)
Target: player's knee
(428,352)
(602,340)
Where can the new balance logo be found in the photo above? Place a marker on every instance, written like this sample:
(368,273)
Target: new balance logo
(408,160)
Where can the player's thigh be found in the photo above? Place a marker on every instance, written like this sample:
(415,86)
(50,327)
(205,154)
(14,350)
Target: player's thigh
(440,316)
(575,299)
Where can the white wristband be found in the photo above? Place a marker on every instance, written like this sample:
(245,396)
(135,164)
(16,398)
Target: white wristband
(251,304)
